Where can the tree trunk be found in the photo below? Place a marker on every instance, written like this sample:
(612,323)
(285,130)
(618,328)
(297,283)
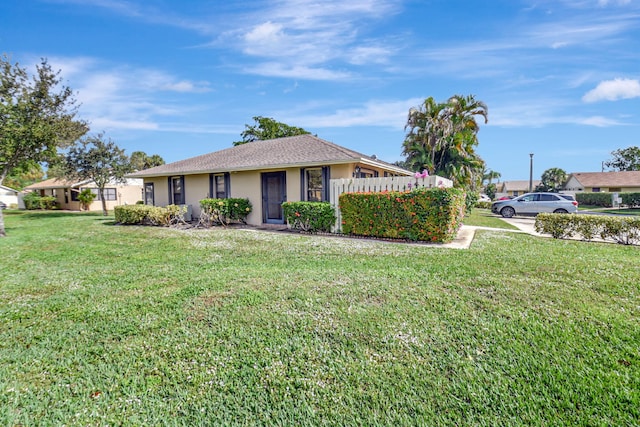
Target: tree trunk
(2,232)
(104,202)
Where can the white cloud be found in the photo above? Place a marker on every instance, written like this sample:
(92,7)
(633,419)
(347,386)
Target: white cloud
(392,114)
(613,90)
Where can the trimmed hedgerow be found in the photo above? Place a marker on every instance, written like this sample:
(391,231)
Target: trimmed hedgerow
(595,199)
(630,199)
(624,230)
(432,215)
(483,205)
(147,215)
(311,217)
(226,211)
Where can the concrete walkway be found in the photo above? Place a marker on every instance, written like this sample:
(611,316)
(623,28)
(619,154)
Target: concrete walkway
(467,232)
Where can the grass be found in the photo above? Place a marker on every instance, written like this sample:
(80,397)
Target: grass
(112,325)
(484,218)
(615,211)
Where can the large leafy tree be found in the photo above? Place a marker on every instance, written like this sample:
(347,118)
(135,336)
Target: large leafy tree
(442,137)
(37,116)
(24,175)
(268,128)
(553,180)
(98,159)
(626,159)
(140,160)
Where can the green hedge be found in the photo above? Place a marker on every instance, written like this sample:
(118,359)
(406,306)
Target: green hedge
(34,201)
(312,217)
(630,199)
(148,215)
(226,211)
(605,199)
(624,230)
(432,215)
(595,199)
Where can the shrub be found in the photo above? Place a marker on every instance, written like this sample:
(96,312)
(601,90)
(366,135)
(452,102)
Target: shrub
(312,217)
(594,199)
(471,198)
(35,201)
(433,215)
(624,230)
(226,211)
(148,215)
(86,197)
(630,199)
(483,205)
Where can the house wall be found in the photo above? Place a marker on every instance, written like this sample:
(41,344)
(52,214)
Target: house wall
(244,184)
(9,197)
(575,186)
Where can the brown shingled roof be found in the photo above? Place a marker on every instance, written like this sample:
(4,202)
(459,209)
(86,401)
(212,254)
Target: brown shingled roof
(51,183)
(608,179)
(273,153)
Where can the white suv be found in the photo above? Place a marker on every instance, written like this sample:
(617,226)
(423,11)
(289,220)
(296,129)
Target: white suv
(535,203)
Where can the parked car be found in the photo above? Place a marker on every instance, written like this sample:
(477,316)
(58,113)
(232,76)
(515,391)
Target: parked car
(3,205)
(484,198)
(535,203)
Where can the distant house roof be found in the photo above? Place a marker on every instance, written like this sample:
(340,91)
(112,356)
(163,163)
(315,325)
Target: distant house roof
(517,185)
(607,179)
(8,189)
(300,150)
(52,183)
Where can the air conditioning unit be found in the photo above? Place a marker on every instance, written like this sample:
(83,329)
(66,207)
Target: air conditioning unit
(188,213)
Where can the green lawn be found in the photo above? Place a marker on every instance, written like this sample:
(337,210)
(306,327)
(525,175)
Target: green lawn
(484,218)
(616,211)
(112,325)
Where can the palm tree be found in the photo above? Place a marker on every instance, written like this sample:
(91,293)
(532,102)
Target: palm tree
(442,138)
(552,179)
(489,175)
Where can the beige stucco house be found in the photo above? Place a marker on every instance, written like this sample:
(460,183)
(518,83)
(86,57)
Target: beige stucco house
(66,193)
(268,173)
(594,182)
(515,188)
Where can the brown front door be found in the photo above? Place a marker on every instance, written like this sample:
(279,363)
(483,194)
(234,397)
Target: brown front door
(274,193)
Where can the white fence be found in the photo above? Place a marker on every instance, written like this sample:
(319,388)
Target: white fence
(375,185)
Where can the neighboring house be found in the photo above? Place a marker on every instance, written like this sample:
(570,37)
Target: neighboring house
(267,173)
(515,188)
(66,193)
(594,182)
(8,196)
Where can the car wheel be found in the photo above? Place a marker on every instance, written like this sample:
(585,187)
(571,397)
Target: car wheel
(507,212)
(560,211)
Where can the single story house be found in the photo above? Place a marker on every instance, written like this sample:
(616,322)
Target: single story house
(66,193)
(8,196)
(268,173)
(515,188)
(594,182)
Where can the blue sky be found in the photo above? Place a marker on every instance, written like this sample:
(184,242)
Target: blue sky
(561,78)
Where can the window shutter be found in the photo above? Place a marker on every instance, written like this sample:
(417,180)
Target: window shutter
(303,184)
(326,177)
(227,184)
(210,194)
(170,187)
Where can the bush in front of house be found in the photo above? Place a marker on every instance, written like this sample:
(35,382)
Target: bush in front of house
(595,199)
(148,215)
(483,205)
(623,230)
(630,199)
(432,215)
(312,217)
(34,201)
(226,211)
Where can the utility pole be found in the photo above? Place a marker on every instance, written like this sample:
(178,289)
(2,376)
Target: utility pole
(530,172)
